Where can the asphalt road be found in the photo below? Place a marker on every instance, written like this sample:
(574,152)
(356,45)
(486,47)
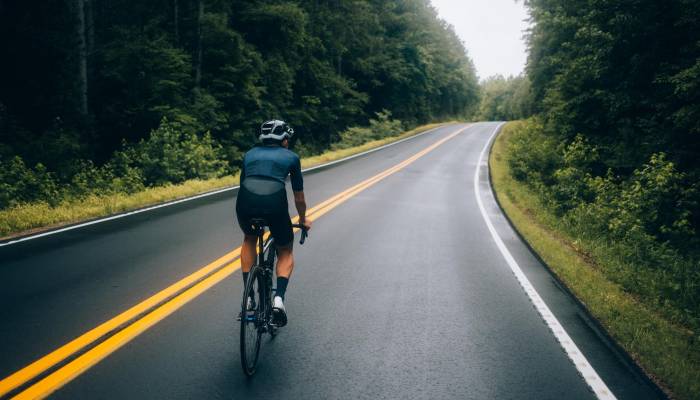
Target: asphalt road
(399,293)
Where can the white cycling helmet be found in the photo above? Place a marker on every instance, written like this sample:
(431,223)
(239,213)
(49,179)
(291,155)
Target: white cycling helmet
(276,130)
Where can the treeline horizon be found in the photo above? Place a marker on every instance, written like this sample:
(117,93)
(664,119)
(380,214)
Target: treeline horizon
(84,82)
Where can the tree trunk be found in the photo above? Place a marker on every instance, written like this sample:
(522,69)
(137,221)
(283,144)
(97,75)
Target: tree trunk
(198,63)
(176,22)
(90,29)
(81,34)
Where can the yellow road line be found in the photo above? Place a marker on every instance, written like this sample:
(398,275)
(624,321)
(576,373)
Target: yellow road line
(58,355)
(37,367)
(66,373)
(223,267)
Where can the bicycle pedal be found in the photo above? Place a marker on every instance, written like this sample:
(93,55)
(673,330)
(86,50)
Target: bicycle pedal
(279,319)
(250,316)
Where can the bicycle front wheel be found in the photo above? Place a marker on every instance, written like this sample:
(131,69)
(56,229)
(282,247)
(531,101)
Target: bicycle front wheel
(252,320)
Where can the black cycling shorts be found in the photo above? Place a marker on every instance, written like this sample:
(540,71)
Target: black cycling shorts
(267,200)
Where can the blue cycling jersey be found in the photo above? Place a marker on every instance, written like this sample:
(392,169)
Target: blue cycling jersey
(273,162)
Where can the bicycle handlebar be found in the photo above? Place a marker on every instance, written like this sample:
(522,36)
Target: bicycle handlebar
(304,232)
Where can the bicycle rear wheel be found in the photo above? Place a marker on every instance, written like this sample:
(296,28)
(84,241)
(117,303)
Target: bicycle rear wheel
(270,263)
(252,320)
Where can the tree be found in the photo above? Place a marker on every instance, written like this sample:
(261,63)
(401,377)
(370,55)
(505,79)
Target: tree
(81,39)
(80,78)
(505,99)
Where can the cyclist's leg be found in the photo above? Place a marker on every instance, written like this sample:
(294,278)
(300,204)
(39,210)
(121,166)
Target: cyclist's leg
(285,261)
(285,266)
(248,253)
(243,213)
(281,230)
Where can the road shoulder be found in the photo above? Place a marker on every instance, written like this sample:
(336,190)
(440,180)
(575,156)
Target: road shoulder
(665,352)
(40,219)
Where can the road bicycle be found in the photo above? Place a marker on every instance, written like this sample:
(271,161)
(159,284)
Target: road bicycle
(256,313)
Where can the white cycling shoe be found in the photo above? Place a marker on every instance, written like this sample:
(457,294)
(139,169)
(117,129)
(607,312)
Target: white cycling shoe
(279,313)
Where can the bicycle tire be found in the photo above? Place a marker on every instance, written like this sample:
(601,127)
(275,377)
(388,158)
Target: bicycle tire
(252,323)
(270,263)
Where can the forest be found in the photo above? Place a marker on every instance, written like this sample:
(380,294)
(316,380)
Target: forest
(612,145)
(114,96)
(117,97)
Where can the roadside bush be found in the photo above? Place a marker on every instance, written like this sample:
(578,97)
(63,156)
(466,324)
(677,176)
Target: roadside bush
(381,127)
(170,155)
(113,177)
(638,227)
(125,177)
(660,200)
(21,184)
(533,156)
(571,185)
(656,200)
(89,179)
(303,149)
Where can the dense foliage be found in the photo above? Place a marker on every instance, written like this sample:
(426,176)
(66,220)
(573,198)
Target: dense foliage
(624,74)
(504,99)
(638,227)
(379,128)
(614,149)
(85,84)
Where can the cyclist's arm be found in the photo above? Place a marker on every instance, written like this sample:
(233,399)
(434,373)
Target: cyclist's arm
(300,203)
(298,189)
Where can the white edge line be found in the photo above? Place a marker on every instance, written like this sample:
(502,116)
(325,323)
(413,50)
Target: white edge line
(572,351)
(199,196)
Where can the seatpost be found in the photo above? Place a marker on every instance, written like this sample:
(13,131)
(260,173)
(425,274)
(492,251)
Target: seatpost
(261,247)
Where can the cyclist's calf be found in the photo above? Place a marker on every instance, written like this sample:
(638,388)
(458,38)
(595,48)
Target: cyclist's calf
(248,252)
(285,262)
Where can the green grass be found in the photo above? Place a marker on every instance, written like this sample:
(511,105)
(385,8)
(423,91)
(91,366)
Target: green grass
(668,352)
(28,218)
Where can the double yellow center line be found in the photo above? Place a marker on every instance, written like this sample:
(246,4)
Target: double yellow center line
(124,327)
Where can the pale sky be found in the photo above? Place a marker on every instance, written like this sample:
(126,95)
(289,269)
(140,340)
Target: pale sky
(492,32)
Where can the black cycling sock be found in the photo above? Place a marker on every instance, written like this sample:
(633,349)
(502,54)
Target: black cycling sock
(281,286)
(245,279)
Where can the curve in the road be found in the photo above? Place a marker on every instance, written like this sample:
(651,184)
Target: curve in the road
(126,326)
(579,360)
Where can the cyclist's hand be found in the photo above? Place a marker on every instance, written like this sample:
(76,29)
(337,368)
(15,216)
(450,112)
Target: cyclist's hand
(307,224)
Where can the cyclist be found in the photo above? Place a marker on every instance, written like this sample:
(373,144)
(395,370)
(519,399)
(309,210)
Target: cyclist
(262,194)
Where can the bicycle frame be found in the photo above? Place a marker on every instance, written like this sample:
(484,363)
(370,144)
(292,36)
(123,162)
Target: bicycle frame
(267,268)
(262,318)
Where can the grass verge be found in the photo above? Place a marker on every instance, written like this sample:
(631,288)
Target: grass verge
(667,352)
(37,217)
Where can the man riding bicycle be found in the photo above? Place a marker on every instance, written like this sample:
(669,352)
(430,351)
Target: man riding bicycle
(262,194)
